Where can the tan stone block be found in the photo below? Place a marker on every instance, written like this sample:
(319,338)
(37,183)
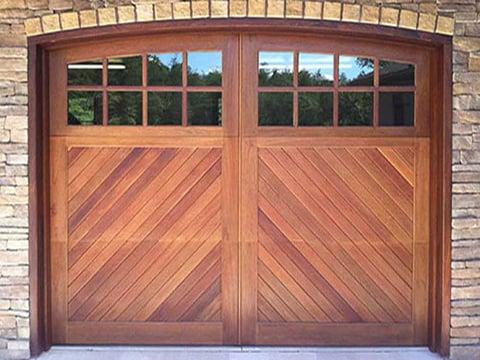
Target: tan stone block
(370,14)
(219,9)
(313,10)
(389,17)
(200,9)
(107,16)
(474,63)
(276,8)
(51,23)
(426,22)
(144,12)
(88,18)
(69,20)
(238,8)
(445,25)
(163,11)
(294,9)
(408,19)
(351,13)
(126,14)
(256,8)
(332,11)
(181,10)
(33,26)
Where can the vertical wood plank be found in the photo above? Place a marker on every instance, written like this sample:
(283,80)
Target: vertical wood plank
(248,238)
(58,238)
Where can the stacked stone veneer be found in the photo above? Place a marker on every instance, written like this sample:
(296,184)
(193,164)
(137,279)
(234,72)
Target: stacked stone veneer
(19,17)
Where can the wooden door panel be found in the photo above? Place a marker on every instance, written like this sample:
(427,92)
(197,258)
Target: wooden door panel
(337,248)
(149,238)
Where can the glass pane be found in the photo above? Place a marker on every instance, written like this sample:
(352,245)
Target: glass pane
(85,108)
(315,69)
(165,69)
(204,108)
(315,109)
(396,74)
(397,108)
(125,71)
(275,68)
(355,109)
(204,68)
(275,109)
(164,108)
(355,71)
(125,108)
(85,73)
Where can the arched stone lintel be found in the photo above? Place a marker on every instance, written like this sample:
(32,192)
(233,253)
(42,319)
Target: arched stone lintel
(216,9)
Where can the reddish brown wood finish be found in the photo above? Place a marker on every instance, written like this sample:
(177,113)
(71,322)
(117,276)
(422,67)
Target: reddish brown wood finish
(439,298)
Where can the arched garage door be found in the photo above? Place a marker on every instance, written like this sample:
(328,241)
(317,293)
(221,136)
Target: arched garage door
(239,189)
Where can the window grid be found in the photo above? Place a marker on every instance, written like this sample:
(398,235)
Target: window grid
(105,88)
(336,89)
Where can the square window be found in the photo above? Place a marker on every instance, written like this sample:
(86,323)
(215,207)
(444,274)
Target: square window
(355,71)
(315,109)
(85,108)
(125,71)
(204,108)
(315,69)
(125,108)
(397,108)
(164,69)
(275,68)
(275,109)
(164,108)
(355,109)
(204,68)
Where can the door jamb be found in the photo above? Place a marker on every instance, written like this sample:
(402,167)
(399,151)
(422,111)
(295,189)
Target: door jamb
(38,150)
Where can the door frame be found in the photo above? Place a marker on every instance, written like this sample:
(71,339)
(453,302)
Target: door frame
(441,140)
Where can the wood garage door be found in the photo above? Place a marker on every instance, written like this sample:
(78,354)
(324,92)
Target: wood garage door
(239,189)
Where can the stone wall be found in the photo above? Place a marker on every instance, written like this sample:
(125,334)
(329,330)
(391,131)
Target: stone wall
(14,311)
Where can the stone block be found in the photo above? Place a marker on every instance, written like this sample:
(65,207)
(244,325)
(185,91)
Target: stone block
(163,11)
(12,4)
(60,4)
(351,13)
(294,9)
(445,25)
(181,10)
(276,8)
(474,62)
(88,18)
(238,8)
(426,22)
(144,12)
(51,23)
(313,10)
(370,14)
(69,20)
(107,16)
(408,19)
(389,17)
(256,8)
(200,9)
(332,11)
(33,26)
(126,14)
(219,9)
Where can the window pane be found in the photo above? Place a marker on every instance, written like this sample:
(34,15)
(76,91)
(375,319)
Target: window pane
(85,108)
(125,108)
(315,70)
(396,74)
(85,73)
(355,109)
(355,71)
(125,71)
(204,108)
(275,109)
(275,68)
(205,68)
(164,108)
(397,108)
(165,69)
(315,109)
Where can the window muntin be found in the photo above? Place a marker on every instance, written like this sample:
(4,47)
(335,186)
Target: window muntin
(334,90)
(152,89)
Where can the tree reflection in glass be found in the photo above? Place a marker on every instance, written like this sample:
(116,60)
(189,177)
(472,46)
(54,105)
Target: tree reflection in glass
(125,108)
(396,74)
(315,109)
(85,73)
(85,108)
(164,108)
(275,109)
(204,108)
(355,71)
(165,69)
(355,109)
(275,68)
(204,68)
(125,71)
(315,69)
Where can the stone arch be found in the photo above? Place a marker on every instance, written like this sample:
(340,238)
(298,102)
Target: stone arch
(222,9)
